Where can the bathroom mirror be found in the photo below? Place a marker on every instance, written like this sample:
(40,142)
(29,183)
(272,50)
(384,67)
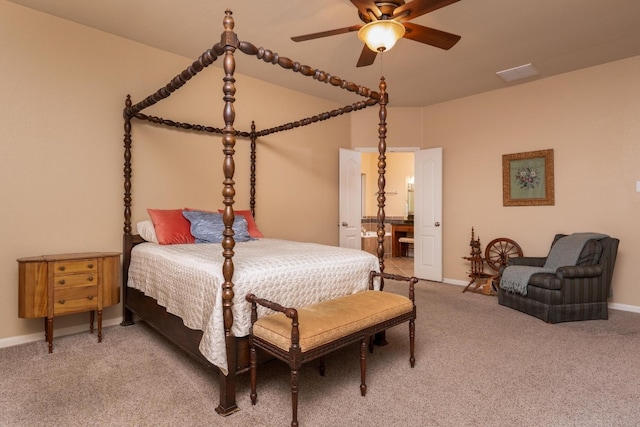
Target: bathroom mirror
(410,195)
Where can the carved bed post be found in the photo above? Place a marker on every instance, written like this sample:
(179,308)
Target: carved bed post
(229,41)
(252,201)
(127,166)
(382,164)
(127,315)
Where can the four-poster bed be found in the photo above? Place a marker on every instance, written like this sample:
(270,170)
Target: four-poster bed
(231,254)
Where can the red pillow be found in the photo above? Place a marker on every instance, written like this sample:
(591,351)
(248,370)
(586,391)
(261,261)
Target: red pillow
(171,226)
(251,223)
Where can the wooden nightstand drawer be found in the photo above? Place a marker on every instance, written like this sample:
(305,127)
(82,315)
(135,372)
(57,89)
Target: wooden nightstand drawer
(75,299)
(75,266)
(61,281)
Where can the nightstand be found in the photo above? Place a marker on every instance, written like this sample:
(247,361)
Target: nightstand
(55,285)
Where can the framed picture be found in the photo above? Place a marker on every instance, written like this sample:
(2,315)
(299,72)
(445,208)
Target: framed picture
(527,178)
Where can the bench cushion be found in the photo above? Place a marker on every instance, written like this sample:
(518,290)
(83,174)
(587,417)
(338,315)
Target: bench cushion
(327,321)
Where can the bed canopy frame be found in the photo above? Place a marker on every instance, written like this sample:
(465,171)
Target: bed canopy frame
(156,316)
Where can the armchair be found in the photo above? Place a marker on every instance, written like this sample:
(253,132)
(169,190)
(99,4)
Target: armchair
(577,292)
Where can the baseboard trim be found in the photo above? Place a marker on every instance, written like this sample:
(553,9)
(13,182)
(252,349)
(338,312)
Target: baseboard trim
(455,282)
(624,307)
(24,339)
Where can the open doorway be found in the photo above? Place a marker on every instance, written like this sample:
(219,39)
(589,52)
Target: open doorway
(399,208)
(427,260)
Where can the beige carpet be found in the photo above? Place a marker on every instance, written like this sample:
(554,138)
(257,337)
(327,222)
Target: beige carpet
(478,364)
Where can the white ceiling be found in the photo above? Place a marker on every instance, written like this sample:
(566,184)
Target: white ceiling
(557,36)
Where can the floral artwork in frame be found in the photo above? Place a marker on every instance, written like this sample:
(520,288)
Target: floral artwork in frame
(527,178)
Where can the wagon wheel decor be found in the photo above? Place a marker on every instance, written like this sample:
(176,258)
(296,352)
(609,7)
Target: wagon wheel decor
(498,252)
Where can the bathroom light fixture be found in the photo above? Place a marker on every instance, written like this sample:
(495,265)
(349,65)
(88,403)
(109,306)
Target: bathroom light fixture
(380,36)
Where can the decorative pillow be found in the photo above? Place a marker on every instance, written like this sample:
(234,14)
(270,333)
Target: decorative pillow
(590,254)
(251,223)
(146,231)
(171,226)
(207,227)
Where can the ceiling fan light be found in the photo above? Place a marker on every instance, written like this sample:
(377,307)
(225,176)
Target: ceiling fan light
(381,35)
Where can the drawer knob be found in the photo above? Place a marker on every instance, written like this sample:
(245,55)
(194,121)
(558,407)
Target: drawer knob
(90,278)
(61,301)
(90,297)
(90,265)
(62,268)
(62,282)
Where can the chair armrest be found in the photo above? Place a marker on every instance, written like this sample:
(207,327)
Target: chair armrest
(528,260)
(577,271)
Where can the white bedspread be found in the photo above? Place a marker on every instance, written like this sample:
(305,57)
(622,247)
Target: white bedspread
(187,281)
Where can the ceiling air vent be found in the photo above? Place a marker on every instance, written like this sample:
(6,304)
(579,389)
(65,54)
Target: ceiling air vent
(517,73)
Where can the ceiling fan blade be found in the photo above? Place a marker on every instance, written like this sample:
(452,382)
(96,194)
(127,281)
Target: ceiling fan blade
(366,57)
(326,33)
(364,6)
(430,36)
(416,8)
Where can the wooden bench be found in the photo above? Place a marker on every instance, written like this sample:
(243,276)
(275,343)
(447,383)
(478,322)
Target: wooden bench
(299,335)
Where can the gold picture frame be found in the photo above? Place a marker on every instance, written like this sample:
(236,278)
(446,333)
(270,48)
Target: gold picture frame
(527,179)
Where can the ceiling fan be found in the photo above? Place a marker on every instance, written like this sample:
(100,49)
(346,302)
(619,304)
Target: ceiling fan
(394,10)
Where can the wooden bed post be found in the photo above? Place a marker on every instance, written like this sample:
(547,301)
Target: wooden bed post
(127,315)
(252,191)
(229,41)
(127,166)
(382,164)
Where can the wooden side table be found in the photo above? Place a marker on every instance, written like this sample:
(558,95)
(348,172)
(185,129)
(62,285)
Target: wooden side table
(56,285)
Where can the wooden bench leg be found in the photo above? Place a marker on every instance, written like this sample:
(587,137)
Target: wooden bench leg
(363,366)
(294,395)
(253,363)
(412,340)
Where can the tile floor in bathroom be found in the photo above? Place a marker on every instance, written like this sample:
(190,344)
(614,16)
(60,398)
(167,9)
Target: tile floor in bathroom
(399,265)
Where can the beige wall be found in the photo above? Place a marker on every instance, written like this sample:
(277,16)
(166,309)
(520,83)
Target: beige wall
(590,118)
(63,87)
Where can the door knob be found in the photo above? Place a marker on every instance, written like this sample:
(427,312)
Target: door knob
(437,224)
(344,224)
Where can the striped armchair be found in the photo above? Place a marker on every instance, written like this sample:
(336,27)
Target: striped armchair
(572,293)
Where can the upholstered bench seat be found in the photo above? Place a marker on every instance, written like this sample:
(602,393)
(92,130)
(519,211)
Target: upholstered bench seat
(328,321)
(299,335)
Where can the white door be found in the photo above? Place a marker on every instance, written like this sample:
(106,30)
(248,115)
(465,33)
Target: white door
(349,220)
(427,221)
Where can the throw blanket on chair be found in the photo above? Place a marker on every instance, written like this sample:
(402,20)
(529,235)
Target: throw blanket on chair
(565,251)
